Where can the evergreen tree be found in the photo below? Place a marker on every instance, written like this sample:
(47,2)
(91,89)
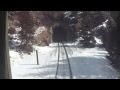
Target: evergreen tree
(24,20)
(114,42)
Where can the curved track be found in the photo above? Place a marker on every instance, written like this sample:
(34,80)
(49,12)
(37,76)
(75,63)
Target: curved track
(67,59)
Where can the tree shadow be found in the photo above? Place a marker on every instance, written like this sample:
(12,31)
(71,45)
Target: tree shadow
(92,68)
(49,71)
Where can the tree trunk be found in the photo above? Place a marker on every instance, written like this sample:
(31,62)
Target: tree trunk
(5,71)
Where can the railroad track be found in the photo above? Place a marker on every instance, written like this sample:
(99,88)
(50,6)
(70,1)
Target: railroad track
(67,61)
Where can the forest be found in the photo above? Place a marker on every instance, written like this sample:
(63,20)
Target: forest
(81,26)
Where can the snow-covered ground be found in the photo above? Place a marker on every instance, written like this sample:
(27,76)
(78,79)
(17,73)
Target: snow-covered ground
(87,63)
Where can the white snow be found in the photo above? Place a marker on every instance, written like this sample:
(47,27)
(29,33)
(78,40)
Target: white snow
(72,18)
(67,13)
(80,12)
(104,24)
(89,63)
(18,29)
(40,30)
(98,41)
